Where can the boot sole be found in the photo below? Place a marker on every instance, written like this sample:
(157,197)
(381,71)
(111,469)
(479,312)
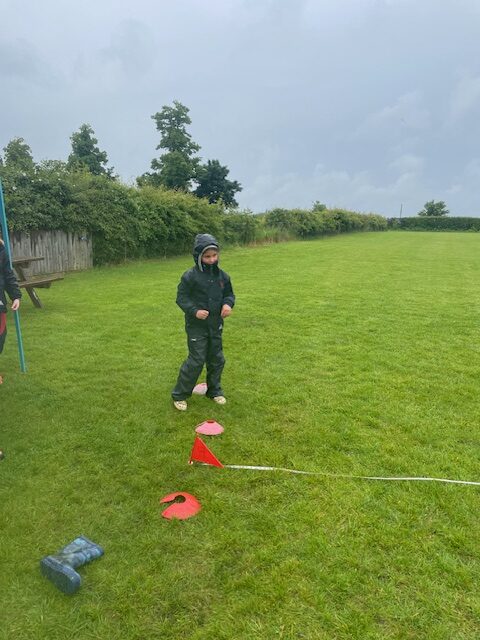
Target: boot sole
(63,577)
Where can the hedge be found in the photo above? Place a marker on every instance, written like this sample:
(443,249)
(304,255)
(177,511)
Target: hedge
(305,223)
(435,223)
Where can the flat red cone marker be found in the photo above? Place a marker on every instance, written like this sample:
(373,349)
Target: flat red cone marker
(201,453)
(210,428)
(181,510)
(200,389)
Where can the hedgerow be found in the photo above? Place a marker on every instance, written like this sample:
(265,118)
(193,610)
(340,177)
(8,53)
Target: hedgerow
(305,223)
(435,223)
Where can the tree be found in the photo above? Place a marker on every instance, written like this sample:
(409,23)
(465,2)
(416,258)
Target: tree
(319,206)
(86,155)
(433,208)
(176,168)
(36,195)
(18,174)
(213,184)
(18,156)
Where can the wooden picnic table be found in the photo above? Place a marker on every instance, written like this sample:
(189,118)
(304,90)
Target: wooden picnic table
(30,283)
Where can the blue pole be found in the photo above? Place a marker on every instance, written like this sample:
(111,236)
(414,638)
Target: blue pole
(16,315)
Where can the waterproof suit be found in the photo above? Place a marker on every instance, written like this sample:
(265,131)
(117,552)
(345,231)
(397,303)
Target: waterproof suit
(203,287)
(8,283)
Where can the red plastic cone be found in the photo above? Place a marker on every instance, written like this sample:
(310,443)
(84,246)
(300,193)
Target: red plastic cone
(181,510)
(201,453)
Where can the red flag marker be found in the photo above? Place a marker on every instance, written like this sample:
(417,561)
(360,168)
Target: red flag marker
(181,510)
(210,428)
(201,453)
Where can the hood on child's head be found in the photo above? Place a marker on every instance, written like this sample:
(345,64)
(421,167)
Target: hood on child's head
(203,241)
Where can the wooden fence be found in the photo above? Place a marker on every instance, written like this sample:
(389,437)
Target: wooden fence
(61,251)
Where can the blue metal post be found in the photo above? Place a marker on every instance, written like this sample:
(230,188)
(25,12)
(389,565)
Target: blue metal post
(16,315)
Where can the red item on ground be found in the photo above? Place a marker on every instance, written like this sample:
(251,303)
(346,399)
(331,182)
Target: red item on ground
(181,510)
(201,453)
(210,428)
(200,388)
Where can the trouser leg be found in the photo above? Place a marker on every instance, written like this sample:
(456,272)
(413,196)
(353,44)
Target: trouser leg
(3,330)
(215,364)
(191,368)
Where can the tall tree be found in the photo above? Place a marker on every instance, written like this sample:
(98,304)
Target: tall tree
(18,156)
(86,154)
(433,208)
(176,168)
(213,184)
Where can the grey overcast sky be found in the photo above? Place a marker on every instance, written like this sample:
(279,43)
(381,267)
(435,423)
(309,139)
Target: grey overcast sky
(363,104)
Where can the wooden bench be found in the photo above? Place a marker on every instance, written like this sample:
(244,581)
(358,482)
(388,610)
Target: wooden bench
(30,283)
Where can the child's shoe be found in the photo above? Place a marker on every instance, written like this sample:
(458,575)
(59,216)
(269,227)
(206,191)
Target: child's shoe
(220,399)
(181,405)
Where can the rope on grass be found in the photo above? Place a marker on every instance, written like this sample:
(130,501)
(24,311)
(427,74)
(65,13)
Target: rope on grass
(341,475)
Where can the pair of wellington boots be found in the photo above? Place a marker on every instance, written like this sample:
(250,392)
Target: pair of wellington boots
(60,568)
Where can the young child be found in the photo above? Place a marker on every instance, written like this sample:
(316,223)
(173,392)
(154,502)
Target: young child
(8,283)
(206,297)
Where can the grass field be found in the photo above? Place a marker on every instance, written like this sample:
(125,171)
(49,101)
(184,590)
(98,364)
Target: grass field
(356,354)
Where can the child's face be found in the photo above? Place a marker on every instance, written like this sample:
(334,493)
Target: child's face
(210,256)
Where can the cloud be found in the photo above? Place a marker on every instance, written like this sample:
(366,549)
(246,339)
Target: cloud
(407,114)
(358,190)
(462,195)
(123,60)
(132,46)
(408,163)
(465,98)
(332,14)
(22,63)
(472,169)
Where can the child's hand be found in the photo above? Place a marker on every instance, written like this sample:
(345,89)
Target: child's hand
(202,314)
(226,310)
(15,304)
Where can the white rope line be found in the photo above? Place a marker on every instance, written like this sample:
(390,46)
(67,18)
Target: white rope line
(341,475)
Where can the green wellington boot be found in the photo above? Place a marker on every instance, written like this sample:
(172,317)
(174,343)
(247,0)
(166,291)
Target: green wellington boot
(60,568)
